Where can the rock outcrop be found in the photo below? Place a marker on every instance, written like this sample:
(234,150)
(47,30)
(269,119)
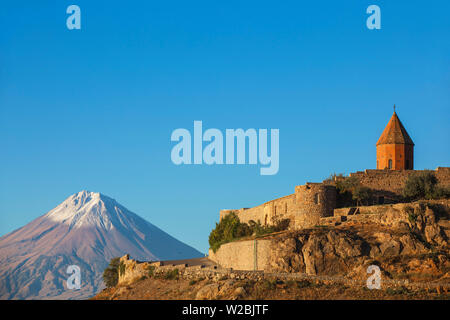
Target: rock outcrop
(395,240)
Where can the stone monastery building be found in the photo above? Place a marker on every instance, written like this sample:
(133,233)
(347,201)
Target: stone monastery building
(313,201)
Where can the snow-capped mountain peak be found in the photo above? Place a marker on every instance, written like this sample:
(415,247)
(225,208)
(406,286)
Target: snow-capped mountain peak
(86,209)
(87,229)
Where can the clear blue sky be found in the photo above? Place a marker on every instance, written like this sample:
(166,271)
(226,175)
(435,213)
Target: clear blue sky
(94,108)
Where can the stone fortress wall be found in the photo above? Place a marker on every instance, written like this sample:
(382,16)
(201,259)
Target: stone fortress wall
(305,207)
(266,213)
(260,254)
(313,201)
(394,180)
(244,255)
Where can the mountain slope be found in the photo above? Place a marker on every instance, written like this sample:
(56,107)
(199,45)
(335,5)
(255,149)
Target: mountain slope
(87,229)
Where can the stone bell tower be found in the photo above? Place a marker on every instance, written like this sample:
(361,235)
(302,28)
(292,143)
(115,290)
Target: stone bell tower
(395,148)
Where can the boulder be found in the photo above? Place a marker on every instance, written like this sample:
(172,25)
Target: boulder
(390,248)
(410,245)
(239,292)
(208,292)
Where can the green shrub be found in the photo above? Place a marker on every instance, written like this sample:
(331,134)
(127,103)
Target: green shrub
(441,192)
(142,278)
(282,224)
(225,231)
(260,230)
(334,177)
(230,228)
(362,195)
(347,184)
(121,268)
(397,291)
(171,275)
(424,185)
(110,274)
(350,192)
(269,284)
(150,271)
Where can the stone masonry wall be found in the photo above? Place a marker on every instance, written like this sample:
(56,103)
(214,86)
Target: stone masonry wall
(394,180)
(135,270)
(304,208)
(280,208)
(314,201)
(240,255)
(243,255)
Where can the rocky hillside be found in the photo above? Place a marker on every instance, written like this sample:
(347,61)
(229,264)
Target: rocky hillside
(408,241)
(159,288)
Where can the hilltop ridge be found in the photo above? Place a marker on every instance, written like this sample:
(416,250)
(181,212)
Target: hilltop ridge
(408,242)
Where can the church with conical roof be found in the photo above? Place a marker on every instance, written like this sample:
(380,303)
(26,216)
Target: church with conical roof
(322,204)
(395,148)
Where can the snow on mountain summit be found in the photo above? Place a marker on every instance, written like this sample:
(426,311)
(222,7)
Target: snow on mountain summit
(86,209)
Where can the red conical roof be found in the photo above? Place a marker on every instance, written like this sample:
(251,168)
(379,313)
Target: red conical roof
(395,133)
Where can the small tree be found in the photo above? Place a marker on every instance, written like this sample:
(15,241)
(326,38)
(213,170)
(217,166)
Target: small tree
(421,186)
(334,177)
(441,192)
(231,228)
(361,195)
(350,191)
(111,273)
(225,231)
(347,184)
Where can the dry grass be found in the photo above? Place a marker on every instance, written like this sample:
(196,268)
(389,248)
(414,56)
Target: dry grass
(163,289)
